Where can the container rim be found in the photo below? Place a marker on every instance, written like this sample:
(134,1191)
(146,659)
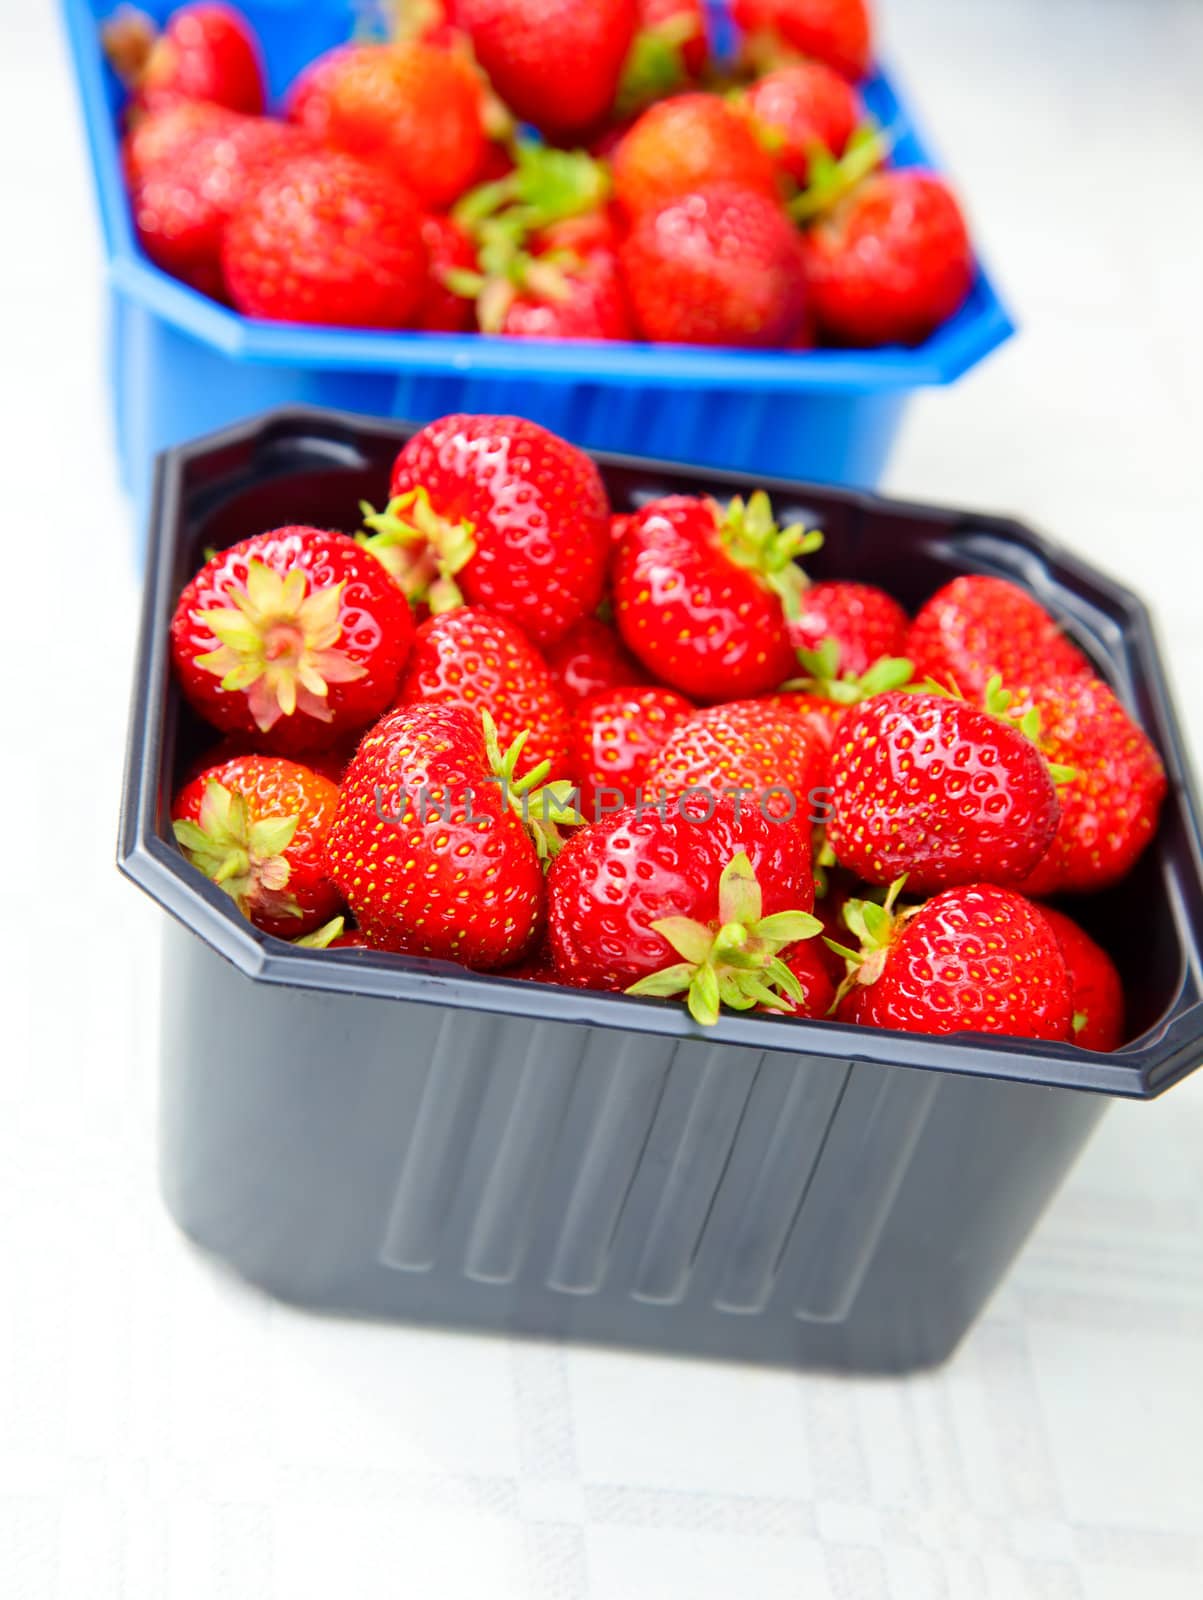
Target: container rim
(1165,1053)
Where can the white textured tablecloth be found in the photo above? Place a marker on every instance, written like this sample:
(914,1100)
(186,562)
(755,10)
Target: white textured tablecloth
(168,1435)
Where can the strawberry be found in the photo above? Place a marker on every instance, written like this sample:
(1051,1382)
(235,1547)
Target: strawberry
(890,263)
(976,627)
(449,251)
(472,659)
(746,746)
(1111,803)
(838,32)
(638,890)
(588,658)
(497,512)
(722,266)
(295,634)
(863,622)
(205,52)
(690,142)
(572,299)
(616,735)
(430,845)
(975,959)
(163,136)
(257,826)
(539,967)
(1096,989)
(555,63)
(813,975)
(702,594)
(326,239)
(409,107)
(669,50)
(330,764)
(939,790)
(798,108)
(819,715)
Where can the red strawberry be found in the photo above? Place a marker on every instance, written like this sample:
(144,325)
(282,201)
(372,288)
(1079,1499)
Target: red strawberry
(690,142)
(814,977)
(257,826)
(1111,802)
(590,657)
(537,968)
(798,108)
(938,790)
(330,764)
(326,239)
(891,262)
(296,634)
(668,51)
(865,624)
(498,512)
(975,959)
(430,849)
(1096,989)
(819,715)
(822,693)
(635,892)
(615,736)
(838,32)
(354,940)
(205,52)
(449,251)
(702,594)
(163,136)
(472,659)
(746,746)
(554,63)
(409,107)
(976,627)
(720,266)
(573,299)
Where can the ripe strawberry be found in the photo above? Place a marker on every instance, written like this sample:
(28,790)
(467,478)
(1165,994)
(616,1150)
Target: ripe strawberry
(799,107)
(747,746)
(296,634)
(838,32)
(571,299)
(257,826)
(1111,803)
(638,889)
(890,263)
(615,736)
(538,966)
(166,135)
(720,266)
(938,790)
(669,50)
(819,715)
(702,594)
(472,659)
(409,107)
(679,146)
(449,251)
(975,959)
(205,52)
(430,849)
(588,658)
(865,624)
(1096,989)
(554,63)
(814,977)
(498,512)
(326,239)
(976,627)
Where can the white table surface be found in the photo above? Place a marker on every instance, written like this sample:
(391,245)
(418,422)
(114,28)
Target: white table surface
(166,1434)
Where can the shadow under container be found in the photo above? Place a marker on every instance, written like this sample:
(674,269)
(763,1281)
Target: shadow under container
(370,1134)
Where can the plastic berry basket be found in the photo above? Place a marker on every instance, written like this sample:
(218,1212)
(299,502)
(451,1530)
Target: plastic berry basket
(400,1138)
(181,364)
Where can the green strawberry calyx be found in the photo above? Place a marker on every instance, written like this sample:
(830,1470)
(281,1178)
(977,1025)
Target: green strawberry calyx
(545,186)
(275,643)
(544,808)
(830,179)
(422,551)
(875,928)
(245,859)
(822,676)
(655,64)
(999,702)
(736,960)
(322,938)
(752,539)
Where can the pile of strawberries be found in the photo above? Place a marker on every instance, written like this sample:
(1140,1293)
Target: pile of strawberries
(506,726)
(544,169)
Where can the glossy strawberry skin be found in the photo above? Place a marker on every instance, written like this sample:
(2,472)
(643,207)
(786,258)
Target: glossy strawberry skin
(744,745)
(616,735)
(696,620)
(838,32)
(327,240)
(539,510)
(1096,989)
(205,52)
(273,787)
(1111,806)
(798,107)
(808,965)
(683,144)
(891,263)
(376,631)
(613,879)
(593,306)
(819,716)
(720,266)
(588,658)
(864,621)
(409,107)
(978,626)
(975,959)
(472,659)
(427,852)
(938,790)
(448,248)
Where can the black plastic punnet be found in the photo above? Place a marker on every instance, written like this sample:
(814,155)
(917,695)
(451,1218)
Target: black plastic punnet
(365,1133)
